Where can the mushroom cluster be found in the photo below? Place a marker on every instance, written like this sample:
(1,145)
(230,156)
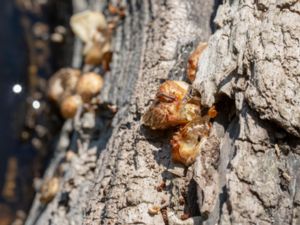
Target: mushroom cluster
(93,30)
(177,104)
(69,89)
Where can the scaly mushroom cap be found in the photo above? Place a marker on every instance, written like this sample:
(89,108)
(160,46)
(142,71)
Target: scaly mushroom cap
(186,143)
(163,115)
(172,90)
(92,29)
(89,85)
(171,106)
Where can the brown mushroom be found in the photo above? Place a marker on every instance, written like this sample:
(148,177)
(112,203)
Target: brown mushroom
(63,83)
(70,105)
(171,107)
(89,85)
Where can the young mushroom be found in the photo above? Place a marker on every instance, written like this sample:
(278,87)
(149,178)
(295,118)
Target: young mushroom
(92,29)
(96,54)
(63,83)
(172,106)
(87,23)
(49,189)
(70,105)
(186,143)
(89,85)
(177,104)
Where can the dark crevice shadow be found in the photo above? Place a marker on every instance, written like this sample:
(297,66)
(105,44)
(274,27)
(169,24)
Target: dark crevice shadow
(224,124)
(226,111)
(223,197)
(192,206)
(213,27)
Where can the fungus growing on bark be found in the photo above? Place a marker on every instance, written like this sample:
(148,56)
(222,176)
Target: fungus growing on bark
(193,61)
(69,89)
(171,107)
(49,189)
(186,143)
(95,54)
(212,112)
(87,23)
(114,10)
(91,28)
(176,104)
(89,85)
(63,83)
(69,106)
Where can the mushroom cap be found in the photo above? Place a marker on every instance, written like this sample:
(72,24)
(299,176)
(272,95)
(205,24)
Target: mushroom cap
(170,107)
(63,83)
(186,143)
(172,90)
(89,85)
(87,23)
(94,53)
(49,189)
(69,106)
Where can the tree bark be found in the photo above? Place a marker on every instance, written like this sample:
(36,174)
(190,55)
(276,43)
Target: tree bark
(254,60)
(248,171)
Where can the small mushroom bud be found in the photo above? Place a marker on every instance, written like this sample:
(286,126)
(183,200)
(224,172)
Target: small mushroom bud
(69,106)
(193,61)
(92,29)
(86,24)
(49,189)
(95,54)
(172,106)
(62,83)
(89,85)
(186,143)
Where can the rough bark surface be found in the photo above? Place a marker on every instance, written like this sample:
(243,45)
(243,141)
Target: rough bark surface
(254,59)
(248,173)
(119,165)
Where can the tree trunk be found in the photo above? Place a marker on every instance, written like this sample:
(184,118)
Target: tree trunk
(248,171)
